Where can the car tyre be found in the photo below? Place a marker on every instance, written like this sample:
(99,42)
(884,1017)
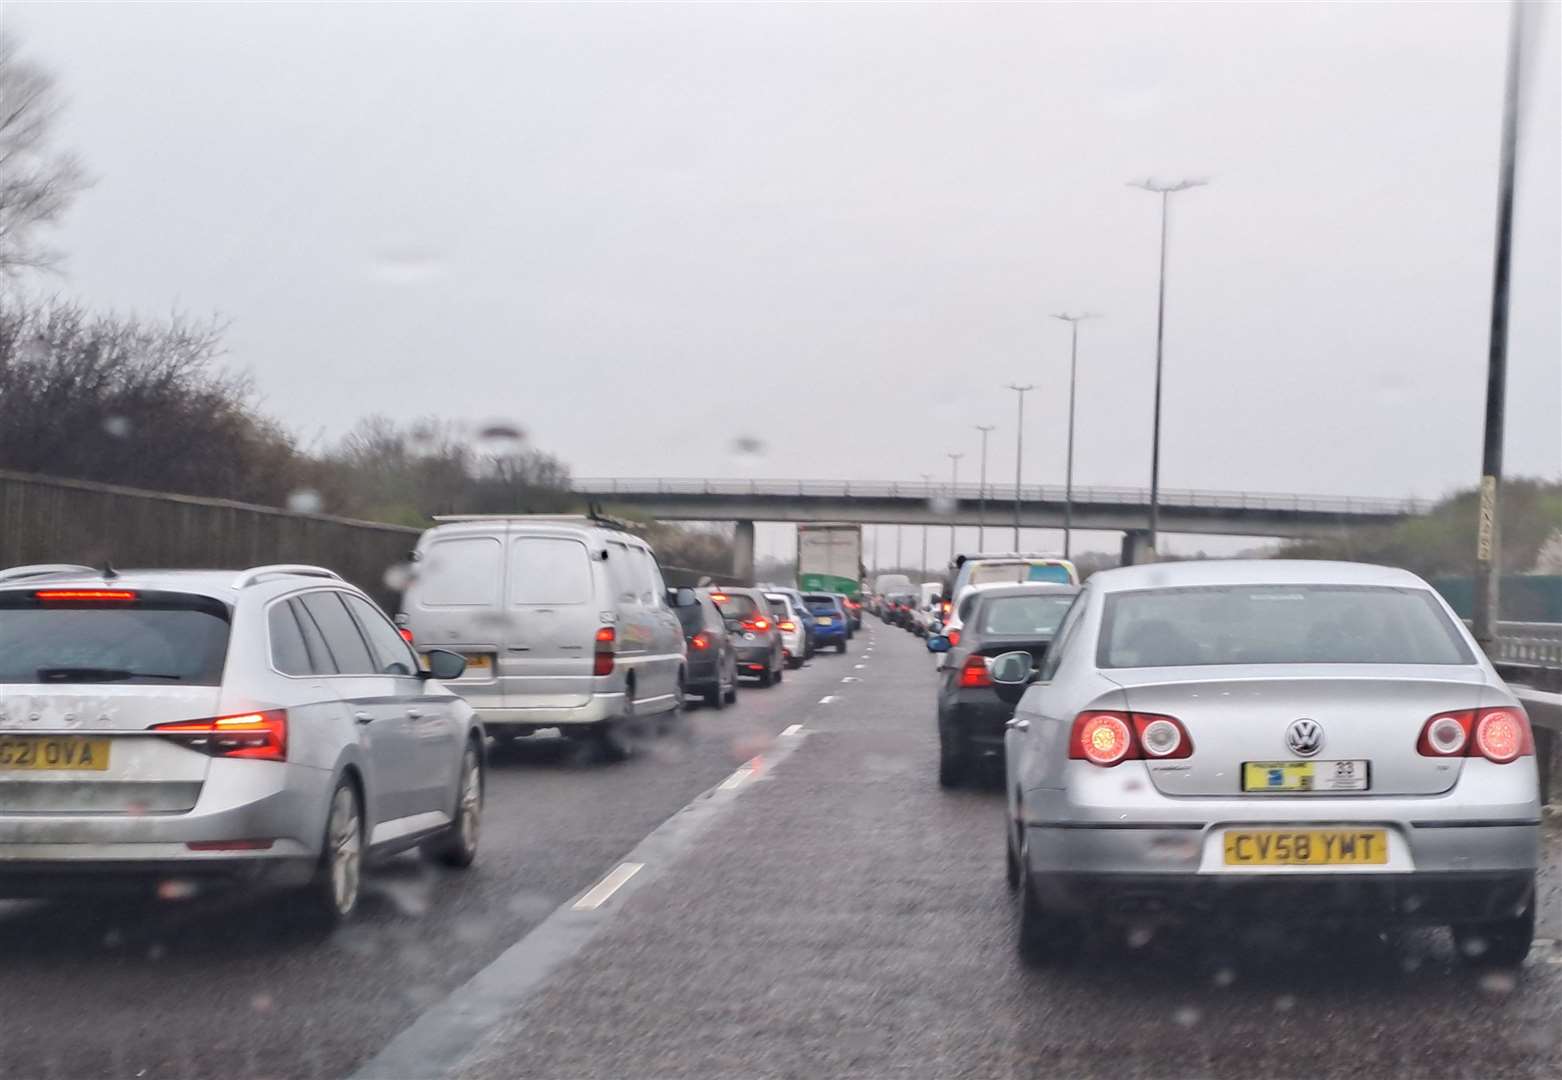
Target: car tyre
(767,677)
(716,696)
(951,762)
(1044,939)
(457,846)
(732,686)
(1011,861)
(1499,943)
(840,646)
(332,894)
(780,667)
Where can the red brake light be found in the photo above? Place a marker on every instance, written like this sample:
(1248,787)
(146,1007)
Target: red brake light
(699,641)
(974,673)
(257,735)
(719,597)
(946,606)
(86,596)
(406,635)
(759,626)
(954,637)
(1503,735)
(1106,737)
(787,625)
(602,659)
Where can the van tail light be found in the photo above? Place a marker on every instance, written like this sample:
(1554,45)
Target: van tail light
(1499,735)
(954,637)
(700,641)
(974,673)
(788,625)
(602,659)
(259,736)
(1106,737)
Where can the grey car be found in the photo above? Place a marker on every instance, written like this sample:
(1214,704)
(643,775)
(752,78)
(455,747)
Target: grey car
(207,727)
(1318,740)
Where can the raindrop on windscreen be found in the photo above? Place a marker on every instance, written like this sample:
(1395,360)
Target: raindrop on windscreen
(500,433)
(1410,963)
(1187,1016)
(398,576)
(1140,936)
(410,898)
(530,905)
(1498,983)
(113,939)
(117,426)
(1473,946)
(156,952)
(748,446)
(177,889)
(1225,977)
(260,1003)
(1285,1003)
(942,504)
(304,501)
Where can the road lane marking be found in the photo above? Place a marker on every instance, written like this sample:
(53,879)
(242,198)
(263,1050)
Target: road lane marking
(827,699)
(859,667)
(744,771)
(850,678)
(603,890)
(791,729)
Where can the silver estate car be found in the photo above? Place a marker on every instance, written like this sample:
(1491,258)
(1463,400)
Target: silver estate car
(174,729)
(1312,739)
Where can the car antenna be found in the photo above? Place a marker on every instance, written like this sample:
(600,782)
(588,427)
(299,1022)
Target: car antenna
(109,573)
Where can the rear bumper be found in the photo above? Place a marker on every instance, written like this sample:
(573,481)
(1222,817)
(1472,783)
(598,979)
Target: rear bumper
(166,878)
(1432,898)
(702,674)
(831,633)
(976,716)
(600,707)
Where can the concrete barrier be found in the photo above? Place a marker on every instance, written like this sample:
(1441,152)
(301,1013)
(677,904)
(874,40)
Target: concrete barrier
(48,520)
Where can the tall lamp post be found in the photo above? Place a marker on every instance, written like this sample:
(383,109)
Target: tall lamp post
(1019,455)
(981,497)
(1073,379)
(927,495)
(1165,189)
(954,499)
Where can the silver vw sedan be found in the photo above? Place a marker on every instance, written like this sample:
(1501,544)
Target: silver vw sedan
(1303,739)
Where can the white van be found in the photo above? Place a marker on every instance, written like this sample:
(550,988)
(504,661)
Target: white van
(565,622)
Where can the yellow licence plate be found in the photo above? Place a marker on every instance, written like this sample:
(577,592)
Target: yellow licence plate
(1306,847)
(479,663)
(44,754)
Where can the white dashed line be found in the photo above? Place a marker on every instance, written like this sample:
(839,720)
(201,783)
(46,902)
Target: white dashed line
(859,667)
(791,729)
(744,772)
(827,699)
(603,891)
(849,678)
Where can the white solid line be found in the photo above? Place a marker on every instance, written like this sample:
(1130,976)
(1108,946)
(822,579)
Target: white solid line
(603,891)
(859,667)
(827,699)
(791,729)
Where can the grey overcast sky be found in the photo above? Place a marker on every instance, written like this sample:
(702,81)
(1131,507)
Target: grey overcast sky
(644,231)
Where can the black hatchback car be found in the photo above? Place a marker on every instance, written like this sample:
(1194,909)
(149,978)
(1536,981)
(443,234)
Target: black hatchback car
(712,667)
(971,717)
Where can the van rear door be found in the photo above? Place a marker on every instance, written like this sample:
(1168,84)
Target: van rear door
(456,602)
(553,616)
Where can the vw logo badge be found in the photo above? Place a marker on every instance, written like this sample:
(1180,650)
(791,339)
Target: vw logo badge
(1304,737)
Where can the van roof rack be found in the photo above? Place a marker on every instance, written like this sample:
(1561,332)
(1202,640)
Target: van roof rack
(257,573)
(21,573)
(592,516)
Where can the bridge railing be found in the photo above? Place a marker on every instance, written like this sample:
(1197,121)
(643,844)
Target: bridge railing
(998,494)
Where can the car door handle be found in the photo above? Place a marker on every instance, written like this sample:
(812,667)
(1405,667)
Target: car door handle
(1018,725)
(363,717)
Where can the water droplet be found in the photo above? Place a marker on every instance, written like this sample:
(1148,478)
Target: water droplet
(398,576)
(113,939)
(501,431)
(1473,946)
(261,1003)
(1498,983)
(1410,963)
(177,889)
(1140,936)
(1225,977)
(305,501)
(1285,1003)
(1187,1016)
(942,504)
(748,445)
(117,427)
(156,952)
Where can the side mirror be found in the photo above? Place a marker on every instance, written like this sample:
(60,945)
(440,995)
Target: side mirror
(683,597)
(444,664)
(1011,673)
(937,643)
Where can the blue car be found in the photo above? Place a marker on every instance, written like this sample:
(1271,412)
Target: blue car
(832,626)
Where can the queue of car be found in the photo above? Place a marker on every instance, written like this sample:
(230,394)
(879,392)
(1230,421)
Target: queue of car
(1206,737)
(272,726)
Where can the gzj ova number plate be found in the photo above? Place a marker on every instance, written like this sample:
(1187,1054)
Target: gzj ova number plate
(1293,776)
(1306,847)
(41,753)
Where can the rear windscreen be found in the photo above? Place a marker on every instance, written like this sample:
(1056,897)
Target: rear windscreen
(692,618)
(817,603)
(779,608)
(1024,616)
(1277,624)
(737,606)
(177,644)
(985,573)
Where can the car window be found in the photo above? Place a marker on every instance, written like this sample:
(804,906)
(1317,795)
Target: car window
(622,573)
(1067,631)
(320,659)
(658,584)
(1037,615)
(547,570)
(391,652)
(342,637)
(646,577)
(738,606)
(779,607)
(460,571)
(1277,624)
(289,655)
(178,642)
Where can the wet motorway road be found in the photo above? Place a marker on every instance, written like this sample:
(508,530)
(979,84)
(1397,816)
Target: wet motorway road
(837,914)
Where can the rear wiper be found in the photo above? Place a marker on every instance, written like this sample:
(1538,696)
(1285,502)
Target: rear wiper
(98,674)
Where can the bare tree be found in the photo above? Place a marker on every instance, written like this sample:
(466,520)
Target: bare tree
(37,181)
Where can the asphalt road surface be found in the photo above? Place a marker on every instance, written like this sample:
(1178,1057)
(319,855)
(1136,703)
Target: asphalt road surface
(835,913)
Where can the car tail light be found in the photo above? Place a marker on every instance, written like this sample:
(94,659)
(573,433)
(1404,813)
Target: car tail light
(1106,737)
(954,637)
(1503,735)
(406,635)
(758,626)
(945,606)
(258,735)
(86,596)
(975,673)
(1499,735)
(718,597)
(788,625)
(602,659)
(700,641)
(1102,738)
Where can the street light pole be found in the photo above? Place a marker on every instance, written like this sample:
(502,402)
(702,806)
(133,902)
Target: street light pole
(954,500)
(1488,551)
(1073,378)
(981,513)
(1019,455)
(1165,189)
(927,495)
